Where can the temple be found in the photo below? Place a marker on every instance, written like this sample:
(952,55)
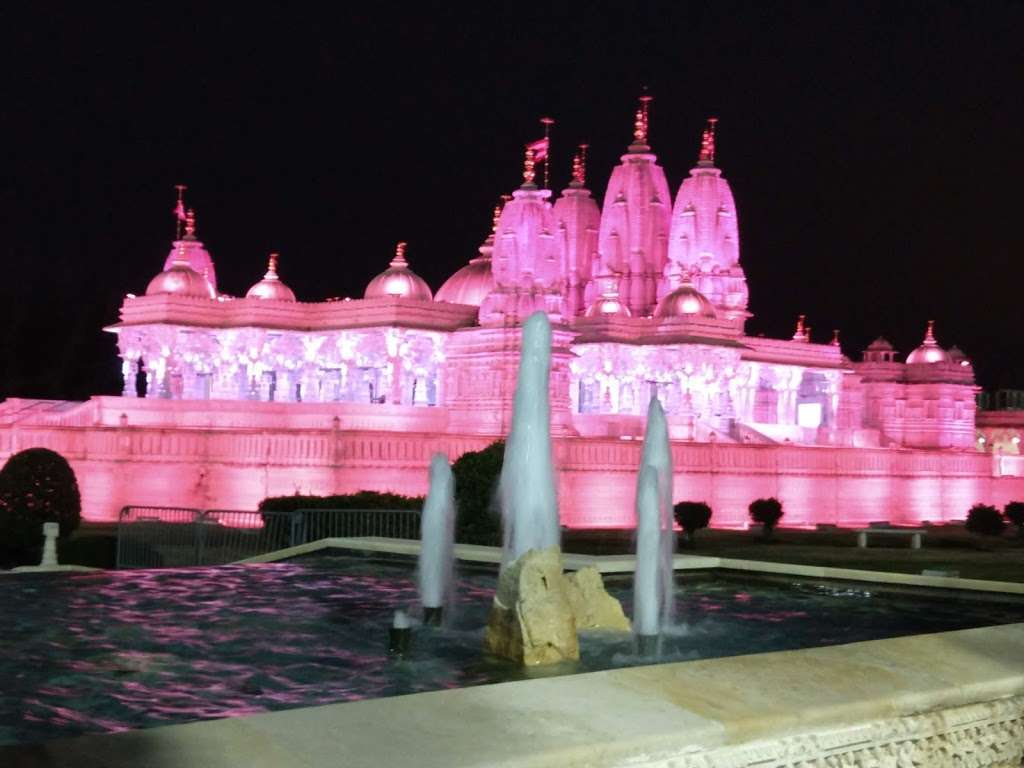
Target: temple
(228,399)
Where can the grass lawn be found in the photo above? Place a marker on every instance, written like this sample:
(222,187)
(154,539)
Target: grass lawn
(947,547)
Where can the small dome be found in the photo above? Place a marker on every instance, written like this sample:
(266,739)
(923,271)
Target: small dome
(880,345)
(683,301)
(398,281)
(608,304)
(929,351)
(472,283)
(271,287)
(179,278)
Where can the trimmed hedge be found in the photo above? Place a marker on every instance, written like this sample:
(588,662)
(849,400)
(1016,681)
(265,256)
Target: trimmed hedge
(358,500)
(692,516)
(985,520)
(767,512)
(477,520)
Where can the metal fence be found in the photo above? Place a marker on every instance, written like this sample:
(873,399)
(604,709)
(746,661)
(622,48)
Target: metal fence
(169,537)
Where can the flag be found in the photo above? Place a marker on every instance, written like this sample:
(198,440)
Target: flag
(540,149)
(179,210)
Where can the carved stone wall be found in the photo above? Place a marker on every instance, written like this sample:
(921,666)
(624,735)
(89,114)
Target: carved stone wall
(987,735)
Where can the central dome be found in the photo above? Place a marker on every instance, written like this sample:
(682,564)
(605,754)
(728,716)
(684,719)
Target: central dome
(398,281)
(929,351)
(180,279)
(685,301)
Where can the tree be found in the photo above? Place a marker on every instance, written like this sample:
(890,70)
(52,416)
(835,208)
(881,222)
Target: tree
(36,486)
(1014,512)
(767,512)
(692,516)
(476,479)
(985,520)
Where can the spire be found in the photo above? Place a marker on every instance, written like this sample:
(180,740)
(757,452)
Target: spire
(179,210)
(399,260)
(641,124)
(579,167)
(707,144)
(835,337)
(929,336)
(190,224)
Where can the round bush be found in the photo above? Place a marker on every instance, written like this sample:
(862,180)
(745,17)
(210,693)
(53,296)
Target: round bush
(36,486)
(692,516)
(476,478)
(985,520)
(1014,512)
(767,512)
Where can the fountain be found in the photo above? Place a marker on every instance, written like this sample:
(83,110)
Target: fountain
(437,530)
(526,489)
(653,584)
(538,609)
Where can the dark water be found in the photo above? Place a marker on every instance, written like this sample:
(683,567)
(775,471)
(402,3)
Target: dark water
(112,651)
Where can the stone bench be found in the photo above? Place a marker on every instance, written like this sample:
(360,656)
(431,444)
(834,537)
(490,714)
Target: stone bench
(915,535)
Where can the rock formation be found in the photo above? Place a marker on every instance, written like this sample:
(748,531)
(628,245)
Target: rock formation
(537,610)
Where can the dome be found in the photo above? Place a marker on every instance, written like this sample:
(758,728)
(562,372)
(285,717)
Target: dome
(929,351)
(880,345)
(179,278)
(398,281)
(271,287)
(470,285)
(685,300)
(608,304)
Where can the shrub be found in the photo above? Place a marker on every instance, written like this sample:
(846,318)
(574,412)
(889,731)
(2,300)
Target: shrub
(767,512)
(36,486)
(358,500)
(1014,512)
(985,520)
(476,479)
(692,516)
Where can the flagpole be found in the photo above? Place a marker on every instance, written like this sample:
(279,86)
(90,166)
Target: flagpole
(547,122)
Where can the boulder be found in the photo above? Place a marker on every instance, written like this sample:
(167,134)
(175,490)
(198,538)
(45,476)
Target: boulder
(592,606)
(531,619)
(537,610)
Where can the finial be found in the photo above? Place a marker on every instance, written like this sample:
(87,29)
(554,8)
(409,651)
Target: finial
(929,336)
(271,268)
(835,337)
(579,167)
(528,173)
(641,122)
(179,210)
(495,218)
(190,224)
(399,260)
(707,143)
(802,333)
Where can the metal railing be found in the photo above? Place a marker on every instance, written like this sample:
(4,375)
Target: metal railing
(170,537)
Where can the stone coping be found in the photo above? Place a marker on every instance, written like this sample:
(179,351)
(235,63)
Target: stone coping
(918,700)
(611,564)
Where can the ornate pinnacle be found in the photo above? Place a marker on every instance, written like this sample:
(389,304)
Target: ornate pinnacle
(495,217)
(528,172)
(835,337)
(579,167)
(271,267)
(190,224)
(801,332)
(707,143)
(929,336)
(399,260)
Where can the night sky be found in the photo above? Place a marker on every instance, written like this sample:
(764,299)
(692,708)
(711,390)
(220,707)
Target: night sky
(875,152)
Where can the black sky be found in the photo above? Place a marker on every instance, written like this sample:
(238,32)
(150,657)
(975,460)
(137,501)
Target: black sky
(874,151)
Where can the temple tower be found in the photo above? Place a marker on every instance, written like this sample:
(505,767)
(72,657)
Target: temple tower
(633,238)
(579,221)
(705,238)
